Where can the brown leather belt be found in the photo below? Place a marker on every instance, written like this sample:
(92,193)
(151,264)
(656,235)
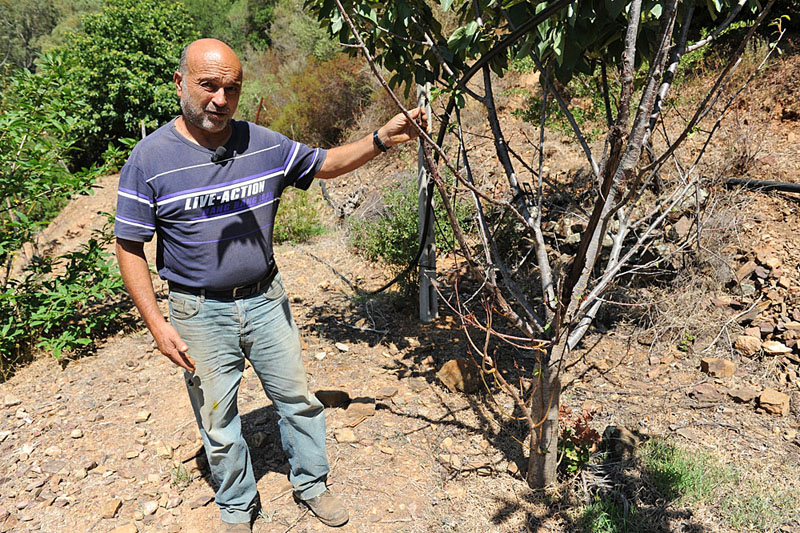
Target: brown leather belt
(236,293)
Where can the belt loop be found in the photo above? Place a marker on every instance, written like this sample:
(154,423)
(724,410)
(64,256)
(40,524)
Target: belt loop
(202,295)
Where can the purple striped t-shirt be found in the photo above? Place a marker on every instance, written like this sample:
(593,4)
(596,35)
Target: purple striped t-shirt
(214,220)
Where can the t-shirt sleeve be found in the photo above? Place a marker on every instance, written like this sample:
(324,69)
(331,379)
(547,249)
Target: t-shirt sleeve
(136,214)
(301,163)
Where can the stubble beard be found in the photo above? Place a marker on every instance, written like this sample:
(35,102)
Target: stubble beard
(197,116)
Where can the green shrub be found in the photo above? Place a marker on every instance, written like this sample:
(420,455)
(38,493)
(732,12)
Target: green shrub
(320,102)
(298,218)
(122,60)
(392,238)
(61,304)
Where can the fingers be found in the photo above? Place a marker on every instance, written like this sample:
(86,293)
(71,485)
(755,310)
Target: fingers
(173,347)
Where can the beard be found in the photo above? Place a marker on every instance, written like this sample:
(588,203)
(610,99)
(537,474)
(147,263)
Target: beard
(199,117)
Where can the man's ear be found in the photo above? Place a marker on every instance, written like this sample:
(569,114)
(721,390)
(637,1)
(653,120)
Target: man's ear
(178,79)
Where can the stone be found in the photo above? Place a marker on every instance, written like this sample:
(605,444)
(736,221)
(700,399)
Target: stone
(785,282)
(681,228)
(753,331)
(747,345)
(130,527)
(775,348)
(620,442)
(150,507)
(745,270)
(110,508)
(512,468)
(11,401)
(319,356)
(142,417)
(417,384)
(360,408)
(345,435)
(761,272)
(743,394)
(258,439)
(706,392)
(342,347)
(53,466)
(201,501)
(163,450)
(388,450)
(332,398)
(76,433)
(133,454)
(719,368)
(774,402)
(173,502)
(460,375)
(385,393)
(52,450)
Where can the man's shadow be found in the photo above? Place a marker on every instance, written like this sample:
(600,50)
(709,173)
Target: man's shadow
(260,431)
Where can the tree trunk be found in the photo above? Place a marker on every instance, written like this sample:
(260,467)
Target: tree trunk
(543,459)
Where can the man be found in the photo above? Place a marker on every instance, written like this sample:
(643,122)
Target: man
(209,187)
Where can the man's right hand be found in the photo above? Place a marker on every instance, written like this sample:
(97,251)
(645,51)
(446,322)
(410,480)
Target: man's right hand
(171,345)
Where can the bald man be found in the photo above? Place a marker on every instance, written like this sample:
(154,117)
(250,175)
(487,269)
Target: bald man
(209,187)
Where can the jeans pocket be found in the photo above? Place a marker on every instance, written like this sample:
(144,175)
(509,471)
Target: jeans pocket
(183,308)
(276,290)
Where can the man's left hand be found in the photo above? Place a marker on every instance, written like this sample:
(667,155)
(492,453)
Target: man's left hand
(399,130)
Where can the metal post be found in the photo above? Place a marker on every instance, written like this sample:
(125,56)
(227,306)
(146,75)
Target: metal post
(428,298)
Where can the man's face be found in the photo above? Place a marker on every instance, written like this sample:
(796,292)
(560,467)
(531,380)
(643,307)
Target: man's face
(209,92)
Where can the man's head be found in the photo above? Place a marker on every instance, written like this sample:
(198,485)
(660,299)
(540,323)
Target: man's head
(208,82)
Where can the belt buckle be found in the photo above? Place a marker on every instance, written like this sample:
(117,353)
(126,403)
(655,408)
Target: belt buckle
(241,292)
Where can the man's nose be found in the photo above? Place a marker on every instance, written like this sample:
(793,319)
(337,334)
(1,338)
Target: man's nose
(220,99)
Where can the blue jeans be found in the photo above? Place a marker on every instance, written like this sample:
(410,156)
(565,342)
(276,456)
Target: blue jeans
(220,335)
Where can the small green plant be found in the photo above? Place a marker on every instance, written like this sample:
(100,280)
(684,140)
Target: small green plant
(578,441)
(606,515)
(298,218)
(680,475)
(179,477)
(686,342)
(393,237)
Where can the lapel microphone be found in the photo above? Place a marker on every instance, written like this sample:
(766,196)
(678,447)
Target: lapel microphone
(219,153)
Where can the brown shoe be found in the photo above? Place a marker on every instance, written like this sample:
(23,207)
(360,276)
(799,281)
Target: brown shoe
(228,527)
(328,509)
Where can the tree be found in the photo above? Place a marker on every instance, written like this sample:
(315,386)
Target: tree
(22,24)
(641,42)
(122,59)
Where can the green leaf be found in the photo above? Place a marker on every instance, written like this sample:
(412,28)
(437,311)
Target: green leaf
(614,7)
(446,4)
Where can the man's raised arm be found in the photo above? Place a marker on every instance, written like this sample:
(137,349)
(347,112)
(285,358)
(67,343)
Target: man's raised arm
(343,159)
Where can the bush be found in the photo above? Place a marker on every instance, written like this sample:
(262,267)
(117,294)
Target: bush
(392,238)
(122,60)
(299,216)
(320,102)
(61,304)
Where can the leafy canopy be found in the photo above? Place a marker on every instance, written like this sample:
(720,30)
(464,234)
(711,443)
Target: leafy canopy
(122,58)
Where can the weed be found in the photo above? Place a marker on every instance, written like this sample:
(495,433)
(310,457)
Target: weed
(606,515)
(179,477)
(680,475)
(751,506)
(298,218)
(578,441)
(393,238)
